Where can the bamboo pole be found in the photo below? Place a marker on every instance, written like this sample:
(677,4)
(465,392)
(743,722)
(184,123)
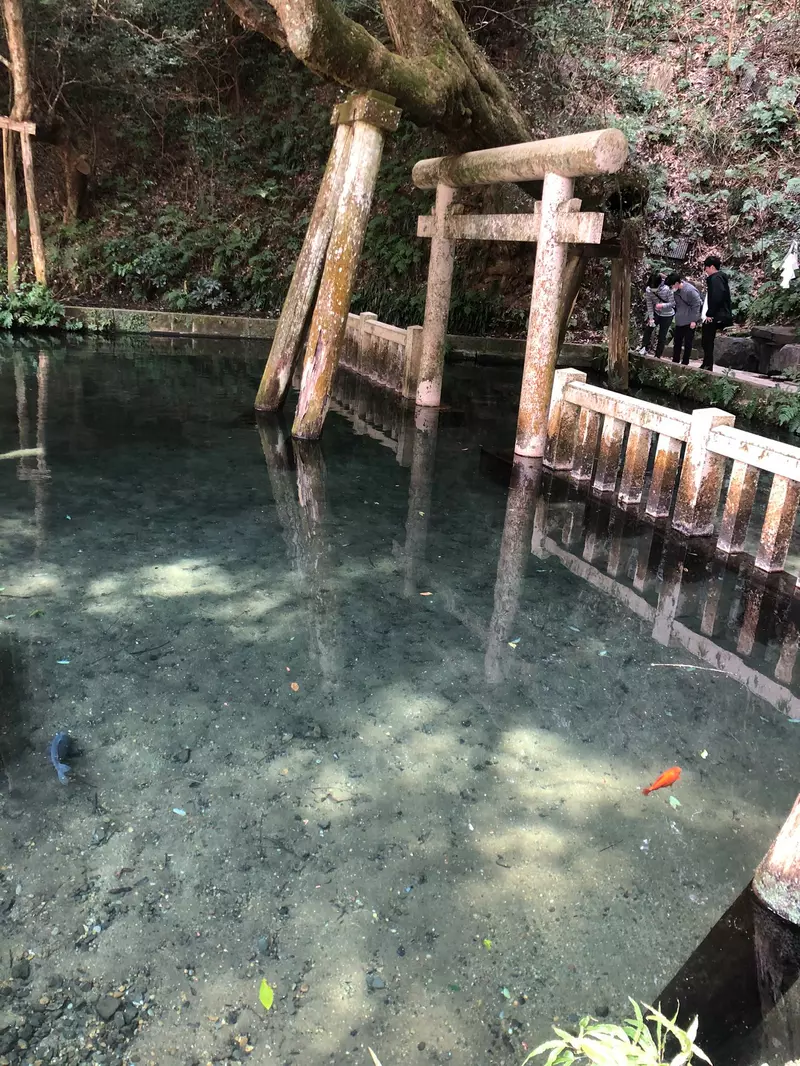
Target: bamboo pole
(297,305)
(12,237)
(372,117)
(37,244)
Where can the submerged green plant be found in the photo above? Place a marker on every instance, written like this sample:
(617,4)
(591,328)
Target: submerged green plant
(640,1041)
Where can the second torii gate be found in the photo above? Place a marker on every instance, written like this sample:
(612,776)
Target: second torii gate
(556,222)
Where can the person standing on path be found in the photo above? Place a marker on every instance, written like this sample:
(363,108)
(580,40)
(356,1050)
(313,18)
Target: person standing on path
(717,312)
(657,293)
(688,308)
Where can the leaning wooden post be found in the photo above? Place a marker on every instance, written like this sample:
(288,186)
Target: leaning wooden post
(37,244)
(297,305)
(9,180)
(373,114)
(437,303)
(619,325)
(777,879)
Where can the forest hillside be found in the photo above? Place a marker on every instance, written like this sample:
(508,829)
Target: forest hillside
(179,153)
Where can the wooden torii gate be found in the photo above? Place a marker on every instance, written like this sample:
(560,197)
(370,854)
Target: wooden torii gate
(556,223)
(26,130)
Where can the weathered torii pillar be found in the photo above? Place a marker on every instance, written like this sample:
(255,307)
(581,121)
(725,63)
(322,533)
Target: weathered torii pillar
(556,223)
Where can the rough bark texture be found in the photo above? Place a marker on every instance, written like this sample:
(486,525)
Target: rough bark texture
(437,75)
(18,57)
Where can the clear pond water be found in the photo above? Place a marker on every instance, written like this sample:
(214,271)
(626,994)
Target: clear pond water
(335,726)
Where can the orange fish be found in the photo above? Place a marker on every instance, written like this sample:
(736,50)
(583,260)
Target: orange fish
(669,777)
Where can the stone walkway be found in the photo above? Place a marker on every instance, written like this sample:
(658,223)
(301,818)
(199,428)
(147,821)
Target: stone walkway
(757,381)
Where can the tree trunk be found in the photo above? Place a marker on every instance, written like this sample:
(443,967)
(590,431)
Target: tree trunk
(437,75)
(18,58)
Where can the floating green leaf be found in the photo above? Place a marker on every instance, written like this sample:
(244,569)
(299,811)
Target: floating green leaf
(487,944)
(266,995)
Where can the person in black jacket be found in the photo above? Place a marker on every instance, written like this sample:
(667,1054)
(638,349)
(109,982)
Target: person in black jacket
(717,313)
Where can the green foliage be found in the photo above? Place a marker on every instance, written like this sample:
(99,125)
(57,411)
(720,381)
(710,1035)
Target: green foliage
(644,1040)
(775,305)
(776,407)
(30,306)
(768,121)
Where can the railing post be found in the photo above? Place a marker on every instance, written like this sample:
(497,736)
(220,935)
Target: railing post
(364,365)
(701,476)
(411,363)
(437,304)
(778,524)
(562,422)
(738,507)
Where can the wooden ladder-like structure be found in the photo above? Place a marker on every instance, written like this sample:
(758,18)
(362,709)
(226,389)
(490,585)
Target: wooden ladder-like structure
(26,130)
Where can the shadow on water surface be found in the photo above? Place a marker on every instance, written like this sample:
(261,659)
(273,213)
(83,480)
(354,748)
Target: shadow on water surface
(342,729)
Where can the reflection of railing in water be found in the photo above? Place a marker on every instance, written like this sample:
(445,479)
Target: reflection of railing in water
(664,582)
(688,464)
(374,412)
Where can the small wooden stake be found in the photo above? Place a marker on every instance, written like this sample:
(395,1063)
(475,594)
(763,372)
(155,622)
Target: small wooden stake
(37,244)
(336,288)
(12,238)
(294,314)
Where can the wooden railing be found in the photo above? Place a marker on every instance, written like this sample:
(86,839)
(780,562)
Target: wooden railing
(384,354)
(606,439)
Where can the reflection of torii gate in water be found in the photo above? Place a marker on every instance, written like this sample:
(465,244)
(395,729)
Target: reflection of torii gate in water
(32,459)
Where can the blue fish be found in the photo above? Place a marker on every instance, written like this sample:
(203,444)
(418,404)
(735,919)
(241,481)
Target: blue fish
(59,749)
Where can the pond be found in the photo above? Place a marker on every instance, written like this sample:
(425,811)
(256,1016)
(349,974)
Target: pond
(334,726)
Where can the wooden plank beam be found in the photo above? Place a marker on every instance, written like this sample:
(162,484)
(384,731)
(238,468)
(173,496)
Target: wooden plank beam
(572,227)
(18,127)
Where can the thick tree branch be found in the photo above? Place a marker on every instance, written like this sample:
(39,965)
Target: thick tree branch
(259,16)
(438,75)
